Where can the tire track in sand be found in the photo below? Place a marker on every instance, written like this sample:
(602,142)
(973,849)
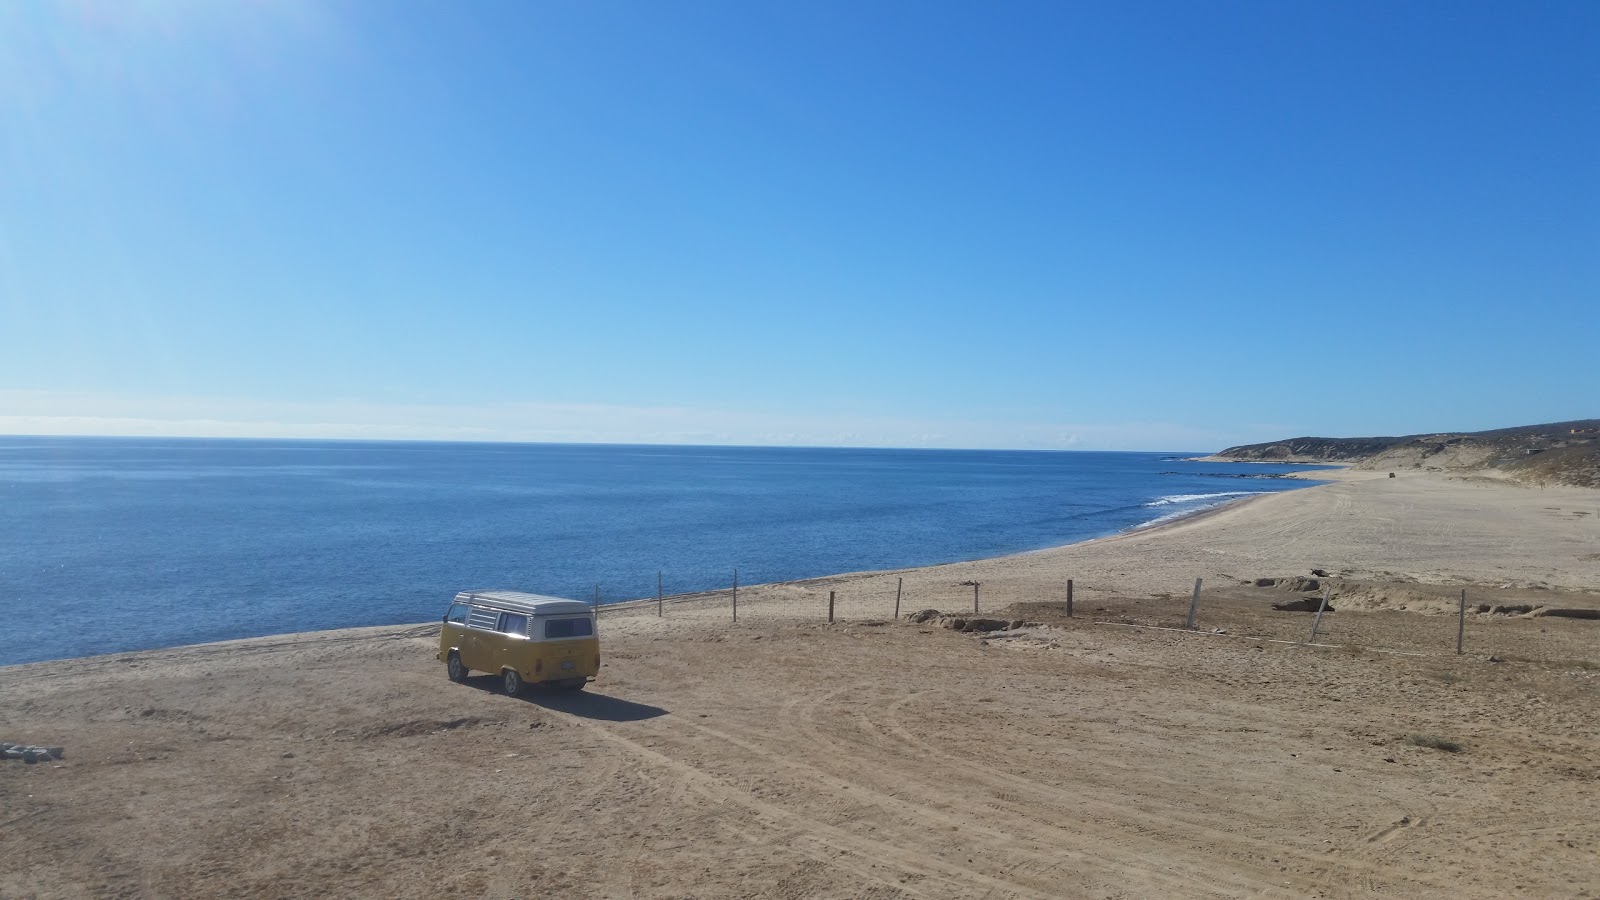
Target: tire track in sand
(1116,809)
(1115,860)
(844,842)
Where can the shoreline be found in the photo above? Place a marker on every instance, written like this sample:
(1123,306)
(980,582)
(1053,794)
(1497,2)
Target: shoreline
(1153,526)
(1351,525)
(975,505)
(360,631)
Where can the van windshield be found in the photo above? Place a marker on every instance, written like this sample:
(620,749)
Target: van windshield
(568,628)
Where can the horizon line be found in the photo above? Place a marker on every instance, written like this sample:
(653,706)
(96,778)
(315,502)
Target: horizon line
(515,443)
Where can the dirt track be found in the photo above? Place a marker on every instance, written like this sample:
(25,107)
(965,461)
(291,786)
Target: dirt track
(788,759)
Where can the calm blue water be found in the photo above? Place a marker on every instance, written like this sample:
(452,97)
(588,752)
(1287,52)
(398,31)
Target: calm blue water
(118,544)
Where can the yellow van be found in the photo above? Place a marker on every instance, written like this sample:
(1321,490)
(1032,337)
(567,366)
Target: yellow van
(524,638)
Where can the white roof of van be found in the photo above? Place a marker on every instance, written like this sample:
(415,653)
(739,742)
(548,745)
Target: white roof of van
(520,601)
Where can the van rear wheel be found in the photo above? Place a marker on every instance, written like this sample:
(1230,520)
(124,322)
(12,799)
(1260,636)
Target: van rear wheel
(455,668)
(572,684)
(512,682)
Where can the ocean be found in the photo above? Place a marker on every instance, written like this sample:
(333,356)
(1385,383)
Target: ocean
(116,544)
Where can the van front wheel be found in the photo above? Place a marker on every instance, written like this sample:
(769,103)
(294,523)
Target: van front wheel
(455,668)
(512,682)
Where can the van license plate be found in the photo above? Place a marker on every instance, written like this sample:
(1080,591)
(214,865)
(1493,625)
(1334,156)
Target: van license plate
(568,665)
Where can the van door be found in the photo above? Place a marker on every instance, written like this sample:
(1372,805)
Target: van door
(511,644)
(454,631)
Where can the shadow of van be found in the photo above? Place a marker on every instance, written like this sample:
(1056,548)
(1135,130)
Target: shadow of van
(590,705)
(584,704)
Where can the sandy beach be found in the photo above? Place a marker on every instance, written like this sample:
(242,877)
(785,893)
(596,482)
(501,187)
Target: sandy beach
(1112,754)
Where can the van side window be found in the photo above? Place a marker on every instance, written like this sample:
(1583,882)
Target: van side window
(482,618)
(513,623)
(568,628)
(457,614)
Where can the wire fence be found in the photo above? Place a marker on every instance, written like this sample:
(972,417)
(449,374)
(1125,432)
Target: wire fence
(1229,610)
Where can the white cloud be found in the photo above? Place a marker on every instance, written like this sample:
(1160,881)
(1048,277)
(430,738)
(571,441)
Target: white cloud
(64,413)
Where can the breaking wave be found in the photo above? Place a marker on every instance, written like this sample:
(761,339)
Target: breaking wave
(1195,498)
(1189,504)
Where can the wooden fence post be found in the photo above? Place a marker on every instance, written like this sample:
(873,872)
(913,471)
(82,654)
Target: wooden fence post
(736,595)
(1194,604)
(830,607)
(1069,598)
(1461,622)
(898,585)
(1318,620)
(658,593)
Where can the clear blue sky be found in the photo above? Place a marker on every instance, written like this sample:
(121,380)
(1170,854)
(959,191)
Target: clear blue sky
(1079,225)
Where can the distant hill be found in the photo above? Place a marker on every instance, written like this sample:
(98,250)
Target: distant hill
(1557,453)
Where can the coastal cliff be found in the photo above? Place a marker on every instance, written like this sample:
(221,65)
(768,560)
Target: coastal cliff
(1555,453)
